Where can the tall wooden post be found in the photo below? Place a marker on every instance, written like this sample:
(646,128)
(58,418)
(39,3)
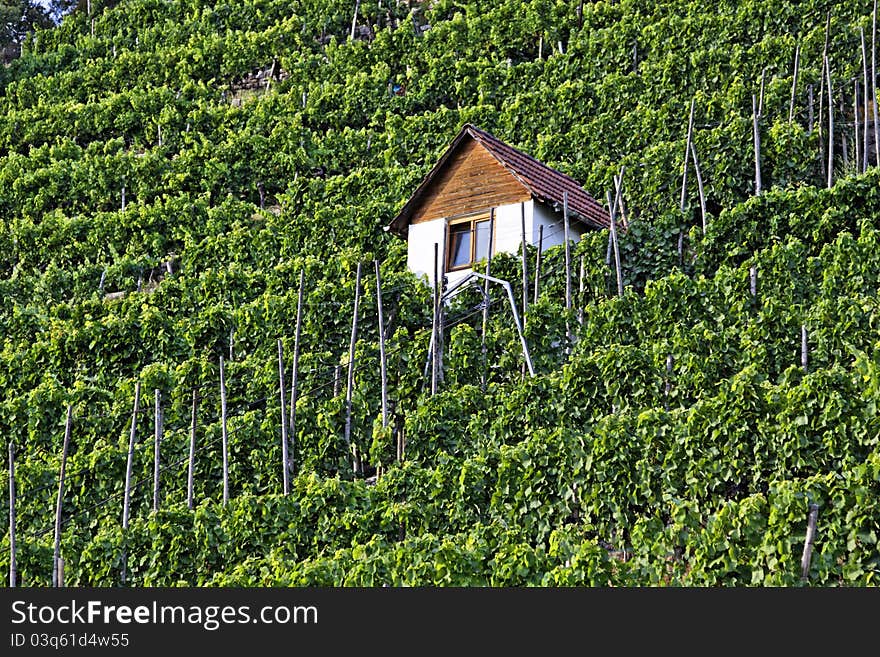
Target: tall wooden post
(761,93)
(525,269)
(157,443)
(580,299)
(822,134)
(537,263)
(350,381)
(699,186)
(614,206)
(357,6)
(874,85)
(864,163)
(382,365)
(753,281)
(58,506)
(756,138)
(810,109)
(225,432)
(294,378)
(285,482)
(13,575)
(687,148)
(192,451)
(486,301)
(808,542)
(856,140)
(794,81)
(434,340)
(830,124)
(567,238)
(610,237)
(126,502)
(804,348)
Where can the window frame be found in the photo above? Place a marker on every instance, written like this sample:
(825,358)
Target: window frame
(472,218)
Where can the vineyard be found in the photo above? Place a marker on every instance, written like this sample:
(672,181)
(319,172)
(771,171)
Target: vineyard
(192,208)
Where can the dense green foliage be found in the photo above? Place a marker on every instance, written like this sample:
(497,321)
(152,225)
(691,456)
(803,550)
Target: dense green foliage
(128,142)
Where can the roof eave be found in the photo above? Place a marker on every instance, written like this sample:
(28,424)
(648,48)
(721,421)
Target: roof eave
(587,221)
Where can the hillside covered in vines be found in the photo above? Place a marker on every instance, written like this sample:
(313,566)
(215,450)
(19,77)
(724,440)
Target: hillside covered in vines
(170,169)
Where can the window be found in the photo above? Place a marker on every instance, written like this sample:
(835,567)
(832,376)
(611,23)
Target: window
(468,241)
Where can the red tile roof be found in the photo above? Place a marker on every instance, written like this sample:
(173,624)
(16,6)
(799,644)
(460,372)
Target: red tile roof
(542,182)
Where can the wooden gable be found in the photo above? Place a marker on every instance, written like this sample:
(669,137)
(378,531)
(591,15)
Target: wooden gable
(472,180)
(478,172)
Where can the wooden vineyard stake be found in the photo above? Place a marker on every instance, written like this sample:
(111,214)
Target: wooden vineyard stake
(126,502)
(794,81)
(357,6)
(486,303)
(687,151)
(808,542)
(525,267)
(810,109)
(294,377)
(441,289)
(753,281)
(60,571)
(434,323)
(225,432)
(844,142)
(699,186)
(756,138)
(157,443)
(337,378)
(192,451)
(382,365)
(349,388)
(804,351)
(761,93)
(621,205)
(580,301)
(856,133)
(874,85)
(566,236)
(59,503)
(13,575)
(618,184)
(537,263)
(285,482)
(864,162)
(830,168)
(822,135)
(617,265)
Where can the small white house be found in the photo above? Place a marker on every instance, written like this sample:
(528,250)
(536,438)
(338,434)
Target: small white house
(481,183)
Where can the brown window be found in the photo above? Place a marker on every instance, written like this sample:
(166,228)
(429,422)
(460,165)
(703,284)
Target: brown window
(468,241)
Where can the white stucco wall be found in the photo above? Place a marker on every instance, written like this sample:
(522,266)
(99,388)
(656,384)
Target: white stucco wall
(420,247)
(554,232)
(508,235)
(508,226)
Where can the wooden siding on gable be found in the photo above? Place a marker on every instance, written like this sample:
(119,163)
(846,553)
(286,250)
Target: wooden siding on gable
(472,180)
